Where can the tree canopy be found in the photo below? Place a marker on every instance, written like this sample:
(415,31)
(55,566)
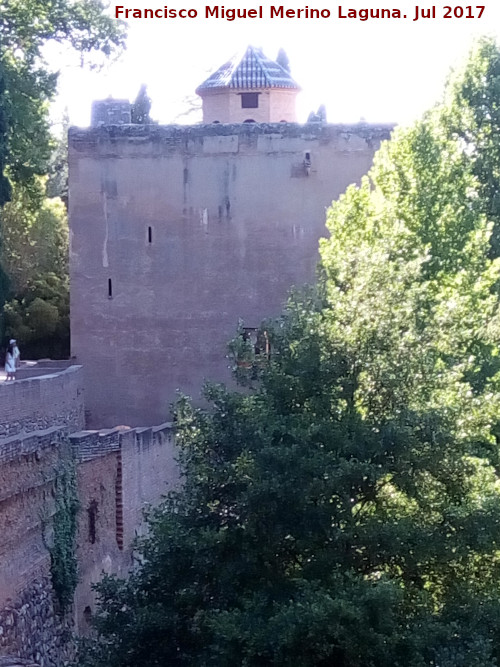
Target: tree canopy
(35,257)
(141,107)
(27,85)
(283,60)
(344,510)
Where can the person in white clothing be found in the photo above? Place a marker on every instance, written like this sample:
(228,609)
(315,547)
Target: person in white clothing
(10,362)
(17,354)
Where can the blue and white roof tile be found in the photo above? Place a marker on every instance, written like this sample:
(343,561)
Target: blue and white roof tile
(250,71)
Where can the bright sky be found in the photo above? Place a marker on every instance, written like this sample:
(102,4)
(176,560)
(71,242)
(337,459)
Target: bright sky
(387,70)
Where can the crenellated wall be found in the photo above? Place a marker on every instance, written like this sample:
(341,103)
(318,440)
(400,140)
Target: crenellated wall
(119,472)
(41,402)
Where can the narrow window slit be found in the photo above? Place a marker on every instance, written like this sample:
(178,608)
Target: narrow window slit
(150,235)
(92,512)
(110,289)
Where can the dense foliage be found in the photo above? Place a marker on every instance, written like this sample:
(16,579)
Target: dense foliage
(141,107)
(38,317)
(62,545)
(35,235)
(35,257)
(345,510)
(27,85)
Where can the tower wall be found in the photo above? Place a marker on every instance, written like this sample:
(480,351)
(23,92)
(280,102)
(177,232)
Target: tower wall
(224,106)
(178,232)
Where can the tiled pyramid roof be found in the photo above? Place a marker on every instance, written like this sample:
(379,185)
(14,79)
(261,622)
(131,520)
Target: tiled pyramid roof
(253,70)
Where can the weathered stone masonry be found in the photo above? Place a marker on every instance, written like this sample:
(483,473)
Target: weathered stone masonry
(42,402)
(119,472)
(30,626)
(36,415)
(177,232)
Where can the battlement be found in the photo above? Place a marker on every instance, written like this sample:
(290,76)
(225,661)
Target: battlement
(108,140)
(51,399)
(92,444)
(119,473)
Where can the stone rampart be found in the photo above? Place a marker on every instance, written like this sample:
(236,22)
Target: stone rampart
(30,625)
(42,402)
(108,140)
(120,472)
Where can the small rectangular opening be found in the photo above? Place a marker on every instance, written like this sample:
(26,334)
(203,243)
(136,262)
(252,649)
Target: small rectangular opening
(150,235)
(259,340)
(249,100)
(110,289)
(92,512)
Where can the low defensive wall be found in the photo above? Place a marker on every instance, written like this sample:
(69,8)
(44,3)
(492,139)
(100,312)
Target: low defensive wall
(118,473)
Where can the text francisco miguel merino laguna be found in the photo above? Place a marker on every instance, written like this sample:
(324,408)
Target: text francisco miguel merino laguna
(280,12)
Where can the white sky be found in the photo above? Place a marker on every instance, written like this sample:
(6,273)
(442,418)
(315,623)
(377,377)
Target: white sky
(381,70)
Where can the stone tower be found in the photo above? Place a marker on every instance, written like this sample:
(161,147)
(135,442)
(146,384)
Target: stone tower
(249,88)
(177,232)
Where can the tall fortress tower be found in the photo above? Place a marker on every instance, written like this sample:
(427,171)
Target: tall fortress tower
(179,231)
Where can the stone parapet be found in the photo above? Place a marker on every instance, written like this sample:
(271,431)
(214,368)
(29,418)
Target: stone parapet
(42,402)
(109,140)
(30,444)
(92,444)
(89,445)
(30,369)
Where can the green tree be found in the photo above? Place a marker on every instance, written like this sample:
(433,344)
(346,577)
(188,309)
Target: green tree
(38,317)
(35,256)
(472,114)
(344,510)
(5,187)
(4,183)
(141,107)
(35,235)
(57,182)
(27,86)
